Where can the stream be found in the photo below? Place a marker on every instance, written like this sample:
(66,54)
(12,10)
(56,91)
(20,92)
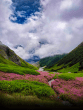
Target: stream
(67,103)
(42,69)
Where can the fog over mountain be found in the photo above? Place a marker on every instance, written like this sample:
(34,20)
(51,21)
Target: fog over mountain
(41,27)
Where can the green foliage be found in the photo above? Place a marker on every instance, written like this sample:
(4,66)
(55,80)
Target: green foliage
(54,68)
(72,69)
(51,73)
(73,57)
(50,61)
(17,69)
(25,64)
(6,61)
(72,62)
(55,77)
(8,56)
(26,88)
(68,76)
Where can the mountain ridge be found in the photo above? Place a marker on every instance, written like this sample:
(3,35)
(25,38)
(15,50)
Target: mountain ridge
(8,56)
(51,60)
(72,62)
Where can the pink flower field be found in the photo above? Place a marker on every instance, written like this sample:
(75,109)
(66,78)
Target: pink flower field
(71,90)
(44,77)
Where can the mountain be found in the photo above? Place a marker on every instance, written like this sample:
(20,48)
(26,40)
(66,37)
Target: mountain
(8,56)
(36,64)
(33,59)
(72,62)
(51,60)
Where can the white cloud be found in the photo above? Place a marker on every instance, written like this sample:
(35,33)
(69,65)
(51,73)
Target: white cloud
(45,2)
(21,52)
(60,35)
(46,50)
(66,4)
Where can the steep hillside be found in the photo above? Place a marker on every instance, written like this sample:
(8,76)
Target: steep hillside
(8,56)
(50,61)
(72,62)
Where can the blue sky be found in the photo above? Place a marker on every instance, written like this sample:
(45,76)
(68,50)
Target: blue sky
(23,9)
(43,27)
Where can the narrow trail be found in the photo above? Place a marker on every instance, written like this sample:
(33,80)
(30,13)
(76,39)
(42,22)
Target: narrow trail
(42,69)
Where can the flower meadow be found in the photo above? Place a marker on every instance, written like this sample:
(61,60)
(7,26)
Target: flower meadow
(66,89)
(44,77)
(71,90)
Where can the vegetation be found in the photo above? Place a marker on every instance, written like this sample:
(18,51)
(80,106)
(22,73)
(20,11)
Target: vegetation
(24,93)
(8,56)
(68,76)
(27,65)
(72,62)
(17,69)
(18,101)
(69,90)
(26,87)
(32,89)
(50,61)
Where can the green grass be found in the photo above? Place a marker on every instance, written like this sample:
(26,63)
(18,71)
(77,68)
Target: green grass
(22,62)
(25,87)
(54,68)
(6,61)
(27,65)
(65,68)
(25,94)
(68,76)
(50,73)
(72,69)
(17,69)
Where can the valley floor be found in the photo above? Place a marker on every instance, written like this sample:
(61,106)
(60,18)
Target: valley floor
(68,93)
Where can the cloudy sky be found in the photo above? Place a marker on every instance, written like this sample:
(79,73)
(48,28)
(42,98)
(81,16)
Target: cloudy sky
(41,27)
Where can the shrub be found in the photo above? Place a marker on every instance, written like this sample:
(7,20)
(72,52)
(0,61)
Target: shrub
(27,88)
(66,76)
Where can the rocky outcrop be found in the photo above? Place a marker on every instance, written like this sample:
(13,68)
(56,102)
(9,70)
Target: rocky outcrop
(9,54)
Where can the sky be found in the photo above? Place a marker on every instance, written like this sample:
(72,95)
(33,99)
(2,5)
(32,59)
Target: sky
(41,27)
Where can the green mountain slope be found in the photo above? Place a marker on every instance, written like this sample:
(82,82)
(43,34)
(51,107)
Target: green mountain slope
(72,62)
(50,61)
(8,56)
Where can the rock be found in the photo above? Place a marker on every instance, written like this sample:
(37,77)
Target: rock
(50,82)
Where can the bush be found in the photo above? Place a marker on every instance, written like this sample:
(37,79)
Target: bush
(66,76)
(26,88)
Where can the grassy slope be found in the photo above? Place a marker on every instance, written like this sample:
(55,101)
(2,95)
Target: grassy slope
(26,87)
(8,56)
(17,69)
(26,94)
(73,62)
(12,63)
(68,76)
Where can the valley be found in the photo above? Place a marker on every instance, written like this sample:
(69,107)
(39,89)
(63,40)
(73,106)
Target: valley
(40,87)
